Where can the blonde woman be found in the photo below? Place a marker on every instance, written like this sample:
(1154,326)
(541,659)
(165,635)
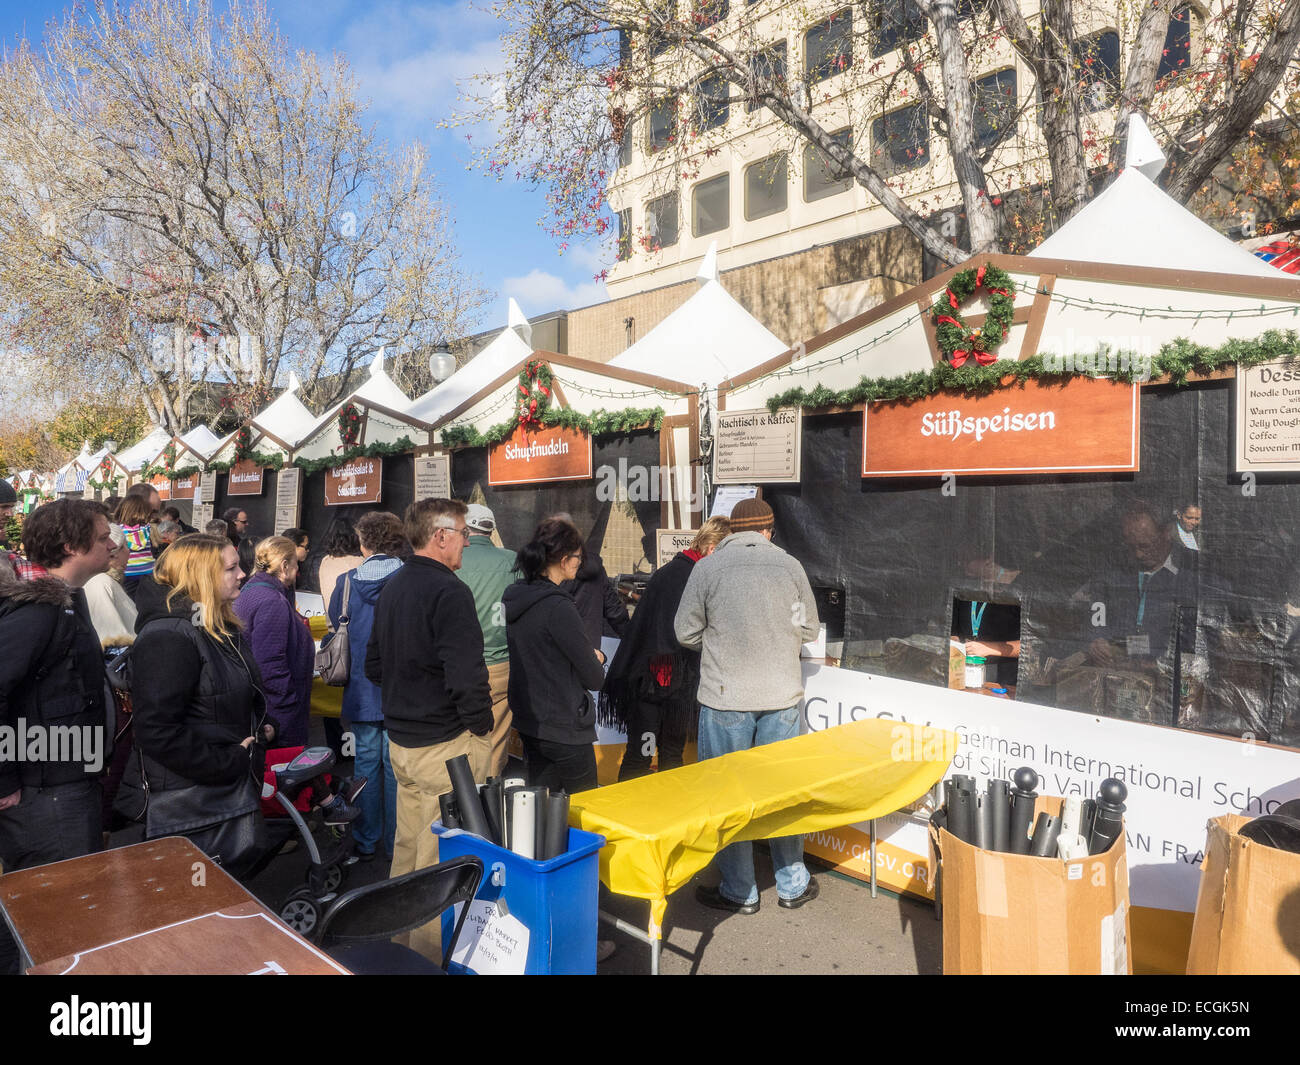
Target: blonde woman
(279,637)
(198,706)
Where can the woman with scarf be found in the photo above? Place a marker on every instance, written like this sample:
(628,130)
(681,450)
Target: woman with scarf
(651,685)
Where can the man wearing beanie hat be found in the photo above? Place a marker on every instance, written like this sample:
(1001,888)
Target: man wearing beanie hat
(750,594)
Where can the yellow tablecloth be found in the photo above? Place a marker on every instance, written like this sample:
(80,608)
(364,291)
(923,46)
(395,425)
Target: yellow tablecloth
(326,701)
(663,829)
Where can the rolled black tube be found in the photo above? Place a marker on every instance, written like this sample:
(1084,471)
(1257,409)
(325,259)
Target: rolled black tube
(1045,835)
(983,821)
(491,794)
(472,817)
(1086,814)
(555,837)
(961,814)
(1108,821)
(962,782)
(998,800)
(1022,809)
(450,815)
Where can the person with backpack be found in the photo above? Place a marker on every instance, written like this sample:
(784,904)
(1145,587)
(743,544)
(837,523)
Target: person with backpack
(52,674)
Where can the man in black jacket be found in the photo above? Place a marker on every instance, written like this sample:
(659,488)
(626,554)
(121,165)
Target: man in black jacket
(426,655)
(54,719)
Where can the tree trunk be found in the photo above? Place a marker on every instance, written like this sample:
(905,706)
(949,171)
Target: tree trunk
(1140,78)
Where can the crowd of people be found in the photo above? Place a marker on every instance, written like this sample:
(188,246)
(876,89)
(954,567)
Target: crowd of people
(453,642)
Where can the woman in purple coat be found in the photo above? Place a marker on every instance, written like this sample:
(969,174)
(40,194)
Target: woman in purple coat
(280,638)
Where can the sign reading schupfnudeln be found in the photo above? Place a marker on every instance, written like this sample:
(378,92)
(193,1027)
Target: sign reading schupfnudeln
(357,481)
(757,446)
(1268,417)
(531,457)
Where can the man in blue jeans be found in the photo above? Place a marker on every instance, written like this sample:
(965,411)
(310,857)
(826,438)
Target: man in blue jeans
(749,594)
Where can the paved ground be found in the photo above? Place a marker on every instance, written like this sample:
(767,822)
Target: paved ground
(842,931)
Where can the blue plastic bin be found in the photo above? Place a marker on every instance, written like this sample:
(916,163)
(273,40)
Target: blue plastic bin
(556,900)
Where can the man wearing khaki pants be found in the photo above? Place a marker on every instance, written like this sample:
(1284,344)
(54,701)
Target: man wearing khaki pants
(488,571)
(426,655)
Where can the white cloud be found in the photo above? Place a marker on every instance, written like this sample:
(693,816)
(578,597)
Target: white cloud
(538,292)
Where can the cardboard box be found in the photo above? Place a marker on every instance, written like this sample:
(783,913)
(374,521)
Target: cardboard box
(1010,913)
(1248,907)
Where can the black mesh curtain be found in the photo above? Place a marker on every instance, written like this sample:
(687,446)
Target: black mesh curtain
(1100,631)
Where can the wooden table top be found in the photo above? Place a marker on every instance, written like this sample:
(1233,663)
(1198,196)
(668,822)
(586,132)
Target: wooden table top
(75,907)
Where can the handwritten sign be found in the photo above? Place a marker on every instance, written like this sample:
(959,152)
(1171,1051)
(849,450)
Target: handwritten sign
(492,943)
(358,481)
(432,476)
(1268,416)
(245,479)
(668,542)
(757,446)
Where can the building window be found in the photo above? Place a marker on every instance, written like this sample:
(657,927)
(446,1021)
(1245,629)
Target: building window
(661,222)
(828,47)
(710,12)
(624,46)
(659,42)
(896,22)
(995,107)
(624,234)
(823,177)
(711,102)
(663,119)
(1097,61)
(900,141)
(768,65)
(1177,54)
(625,146)
(766,186)
(711,205)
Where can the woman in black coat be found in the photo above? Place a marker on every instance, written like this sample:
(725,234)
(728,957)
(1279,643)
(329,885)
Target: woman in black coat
(198,706)
(650,690)
(553,668)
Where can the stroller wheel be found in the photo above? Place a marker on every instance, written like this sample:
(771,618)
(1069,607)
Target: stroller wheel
(331,878)
(301,912)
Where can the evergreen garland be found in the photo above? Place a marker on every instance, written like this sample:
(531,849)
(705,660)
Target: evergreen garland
(329,462)
(257,458)
(1176,360)
(598,423)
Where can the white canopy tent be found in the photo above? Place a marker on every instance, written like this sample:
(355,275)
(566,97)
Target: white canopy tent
(383,404)
(709,339)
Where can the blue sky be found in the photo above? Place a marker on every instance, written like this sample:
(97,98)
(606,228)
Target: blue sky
(408,56)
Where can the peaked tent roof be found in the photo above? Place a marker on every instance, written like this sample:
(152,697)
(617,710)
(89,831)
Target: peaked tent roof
(507,350)
(287,419)
(202,441)
(145,450)
(708,339)
(1134,223)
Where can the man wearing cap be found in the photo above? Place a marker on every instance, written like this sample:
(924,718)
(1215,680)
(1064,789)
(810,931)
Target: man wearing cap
(750,594)
(488,570)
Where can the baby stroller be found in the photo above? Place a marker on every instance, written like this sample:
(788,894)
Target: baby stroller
(294,777)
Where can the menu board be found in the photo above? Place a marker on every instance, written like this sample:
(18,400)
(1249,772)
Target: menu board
(288,495)
(207,487)
(757,446)
(668,542)
(432,476)
(1268,416)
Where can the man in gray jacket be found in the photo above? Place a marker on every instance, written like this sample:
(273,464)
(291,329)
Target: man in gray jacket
(748,608)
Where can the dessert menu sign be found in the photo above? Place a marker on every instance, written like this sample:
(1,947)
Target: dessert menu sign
(1268,417)
(757,446)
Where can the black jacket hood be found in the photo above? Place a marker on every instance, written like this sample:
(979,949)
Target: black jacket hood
(521,597)
(151,603)
(48,590)
(592,567)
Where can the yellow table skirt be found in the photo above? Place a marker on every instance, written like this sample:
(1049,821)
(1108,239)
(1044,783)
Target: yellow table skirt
(662,829)
(326,701)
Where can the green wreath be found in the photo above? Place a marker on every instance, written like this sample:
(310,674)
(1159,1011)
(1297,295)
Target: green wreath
(957,342)
(349,425)
(535,394)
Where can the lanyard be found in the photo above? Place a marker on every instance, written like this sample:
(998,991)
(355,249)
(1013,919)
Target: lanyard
(976,618)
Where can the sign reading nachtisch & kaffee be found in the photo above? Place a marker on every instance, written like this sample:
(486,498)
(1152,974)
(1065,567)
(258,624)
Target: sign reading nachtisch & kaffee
(1085,425)
(359,480)
(554,454)
(245,479)
(1268,417)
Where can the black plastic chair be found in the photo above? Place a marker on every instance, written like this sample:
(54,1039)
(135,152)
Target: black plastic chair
(357,930)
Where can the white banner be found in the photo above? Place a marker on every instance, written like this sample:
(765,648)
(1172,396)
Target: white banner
(1176,780)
